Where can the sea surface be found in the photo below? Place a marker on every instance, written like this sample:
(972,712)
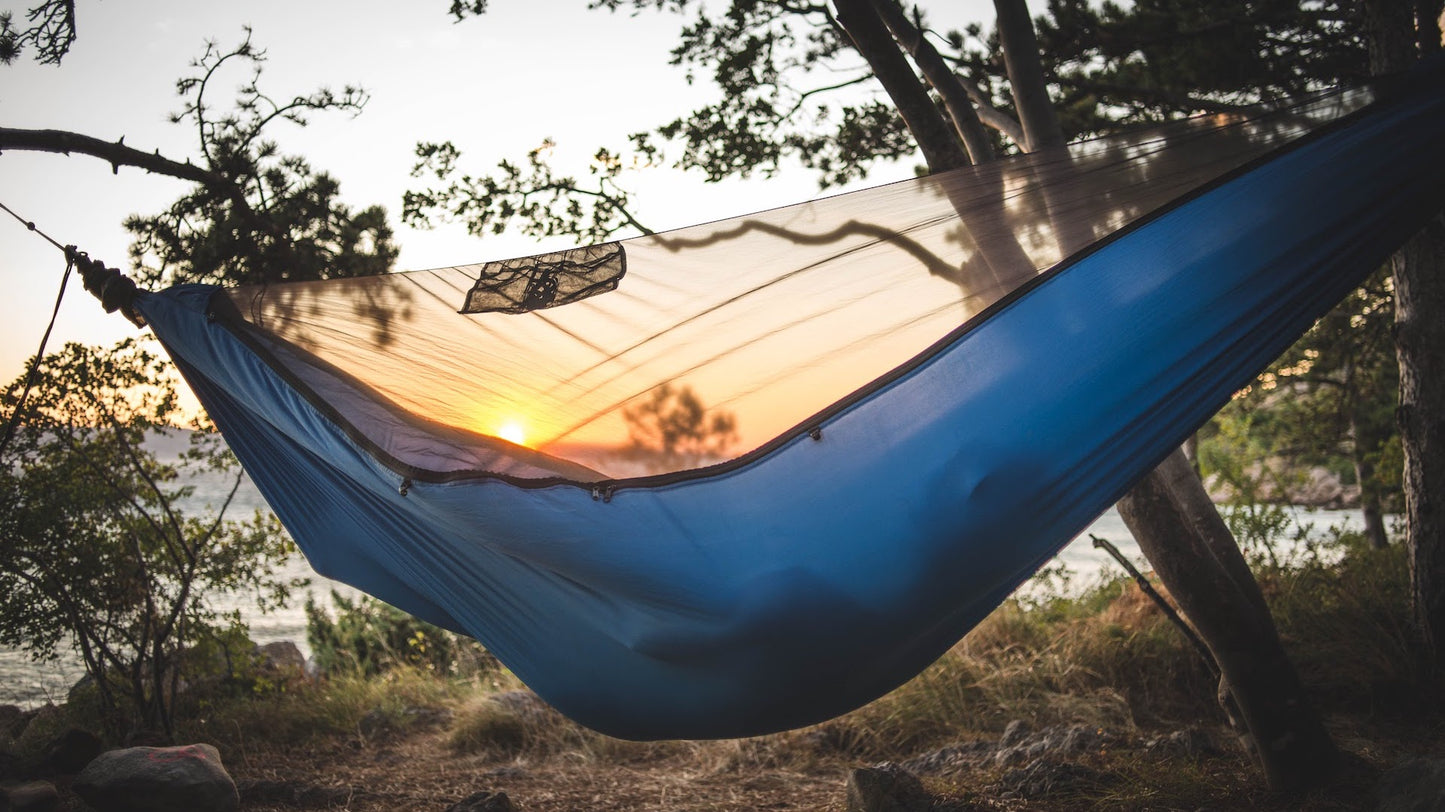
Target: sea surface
(29,684)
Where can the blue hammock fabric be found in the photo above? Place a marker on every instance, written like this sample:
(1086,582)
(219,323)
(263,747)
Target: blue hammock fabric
(831,566)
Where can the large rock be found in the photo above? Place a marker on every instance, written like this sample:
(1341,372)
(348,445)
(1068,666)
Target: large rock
(158,779)
(282,656)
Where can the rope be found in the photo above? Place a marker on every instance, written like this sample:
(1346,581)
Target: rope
(107,284)
(30,225)
(30,375)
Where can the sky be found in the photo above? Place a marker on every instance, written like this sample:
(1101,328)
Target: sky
(496,85)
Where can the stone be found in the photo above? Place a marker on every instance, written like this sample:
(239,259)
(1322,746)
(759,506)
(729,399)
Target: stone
(12,721)
(283,655)
(1018,748)
(1414,785)
(886,787)
(34,796)
(484,801)
(158,779)
(1014,733)
(11,766)
(1047,777)
(71,751)
(1191,743)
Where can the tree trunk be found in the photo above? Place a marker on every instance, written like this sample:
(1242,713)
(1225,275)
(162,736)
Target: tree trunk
(1169,513)
(1186,541)
(936,138)
(1419,270)
(1419,273)
(1362,442)
(1026,76)
(1197,559)
(935,70)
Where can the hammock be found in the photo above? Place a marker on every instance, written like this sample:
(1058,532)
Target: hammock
(749,475)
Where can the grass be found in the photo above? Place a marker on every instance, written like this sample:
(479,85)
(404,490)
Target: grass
(1106,658)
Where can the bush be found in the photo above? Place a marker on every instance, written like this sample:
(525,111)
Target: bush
(369,637)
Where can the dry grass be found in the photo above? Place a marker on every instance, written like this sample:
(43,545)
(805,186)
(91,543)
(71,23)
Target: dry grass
(1109,659)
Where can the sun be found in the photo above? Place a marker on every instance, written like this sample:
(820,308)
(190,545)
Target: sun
(513,432)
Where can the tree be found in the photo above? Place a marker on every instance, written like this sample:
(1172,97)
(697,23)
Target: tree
(1329,401)
(1400,32)
(255,215)
(761,55)
(98,548)
(51,31)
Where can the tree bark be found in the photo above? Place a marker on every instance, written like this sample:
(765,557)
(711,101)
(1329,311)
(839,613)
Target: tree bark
(938,141)
(955,98)
(1026,76)
(1419,270)
(1397,30)
(1197,559)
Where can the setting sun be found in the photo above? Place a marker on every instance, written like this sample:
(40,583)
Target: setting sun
(512,432)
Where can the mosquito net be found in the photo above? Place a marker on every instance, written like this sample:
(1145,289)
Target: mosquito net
(669,352)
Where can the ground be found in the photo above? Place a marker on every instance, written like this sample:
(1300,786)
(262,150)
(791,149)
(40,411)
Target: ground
(418,770)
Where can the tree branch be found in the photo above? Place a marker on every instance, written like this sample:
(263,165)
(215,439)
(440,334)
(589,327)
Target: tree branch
(116,153)
(955,97)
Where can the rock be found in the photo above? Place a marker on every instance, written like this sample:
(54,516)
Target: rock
(1414,785)
(484,801)
(886,787)
(1014,733)
(12,721)
(1059,741)
(158,779)
(70,752)
(11,766)
(1191,742)
(953,757)
(1047,777)
(281,656)
(146,737)
(34,796)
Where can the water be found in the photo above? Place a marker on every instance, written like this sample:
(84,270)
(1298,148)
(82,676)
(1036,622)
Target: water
(29,684)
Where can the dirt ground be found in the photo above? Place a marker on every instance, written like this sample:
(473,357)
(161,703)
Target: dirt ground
(419,773)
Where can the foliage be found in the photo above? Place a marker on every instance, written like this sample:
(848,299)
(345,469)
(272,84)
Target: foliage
(1329,401)
(786,88)
(369,637)
(1157,59)
(100,553)
(531,197)
(51,32)
(265,217)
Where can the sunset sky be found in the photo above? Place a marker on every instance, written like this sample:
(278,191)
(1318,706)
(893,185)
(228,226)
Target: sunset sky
(495,85)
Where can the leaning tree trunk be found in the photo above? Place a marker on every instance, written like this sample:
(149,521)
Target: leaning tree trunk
(1398,32)
(1192,551)
(1197,559)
